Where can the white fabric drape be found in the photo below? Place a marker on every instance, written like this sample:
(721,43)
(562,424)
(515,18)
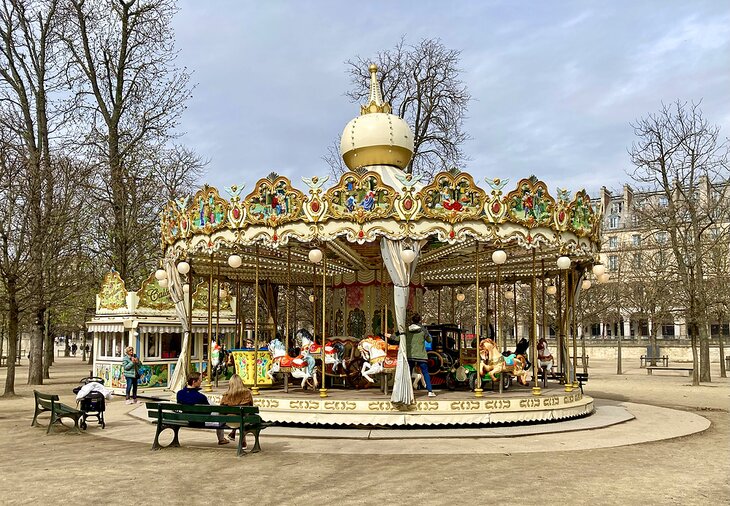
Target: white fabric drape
(177,294)
(400,272)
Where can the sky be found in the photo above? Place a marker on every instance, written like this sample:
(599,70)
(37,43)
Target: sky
(555,85)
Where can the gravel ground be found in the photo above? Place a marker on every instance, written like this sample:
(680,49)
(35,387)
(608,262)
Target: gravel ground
(71,469)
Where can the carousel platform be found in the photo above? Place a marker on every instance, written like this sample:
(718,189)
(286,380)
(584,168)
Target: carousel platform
(372,408)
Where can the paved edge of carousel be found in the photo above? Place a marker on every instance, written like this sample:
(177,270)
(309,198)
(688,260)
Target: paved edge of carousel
(372,409)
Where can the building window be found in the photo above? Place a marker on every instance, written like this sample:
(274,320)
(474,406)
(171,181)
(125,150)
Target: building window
(616,208)
(661,237)
(613,263)
(613,222)
(635,220)
(636,261)
(613,242)
(636,240)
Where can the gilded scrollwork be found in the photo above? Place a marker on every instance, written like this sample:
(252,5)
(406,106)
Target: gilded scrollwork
(152,295)
(273,202)
(208,212)
(530,204)
(360,198)
(452,198)
(113,293)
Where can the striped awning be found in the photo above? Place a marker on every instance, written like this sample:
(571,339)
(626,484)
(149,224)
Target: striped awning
(105,327)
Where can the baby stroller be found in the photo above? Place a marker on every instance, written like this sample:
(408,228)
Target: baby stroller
(92,404)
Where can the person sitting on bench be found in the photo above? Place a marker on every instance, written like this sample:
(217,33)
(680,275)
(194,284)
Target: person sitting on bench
(191,395)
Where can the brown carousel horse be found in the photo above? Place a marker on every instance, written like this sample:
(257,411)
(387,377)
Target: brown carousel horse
(493,362)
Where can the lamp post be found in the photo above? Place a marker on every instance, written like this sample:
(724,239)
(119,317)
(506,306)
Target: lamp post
(535,362)
(316,256)
(184,268)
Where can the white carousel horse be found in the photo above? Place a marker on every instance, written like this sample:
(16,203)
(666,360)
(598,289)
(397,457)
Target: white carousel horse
(302,366)
(493,362)
(334,353)
(544,357)
(373,351)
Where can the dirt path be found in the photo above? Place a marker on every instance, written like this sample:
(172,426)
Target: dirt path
(687,470)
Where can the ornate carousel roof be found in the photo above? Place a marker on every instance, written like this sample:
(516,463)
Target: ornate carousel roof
(451,214)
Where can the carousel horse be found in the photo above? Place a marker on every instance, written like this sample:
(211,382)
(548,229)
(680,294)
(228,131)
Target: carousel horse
(544,357)
(334,353)
(521,349)
(495,363)
(302,366)
(373,350)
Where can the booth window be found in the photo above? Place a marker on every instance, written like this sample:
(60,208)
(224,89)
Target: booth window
(111,344)
(152,345)
(170,344)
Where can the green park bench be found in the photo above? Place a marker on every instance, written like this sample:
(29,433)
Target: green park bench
(651,368)
(50,402)
(200,416)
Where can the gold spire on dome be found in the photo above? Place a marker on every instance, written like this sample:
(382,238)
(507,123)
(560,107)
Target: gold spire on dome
(376,103)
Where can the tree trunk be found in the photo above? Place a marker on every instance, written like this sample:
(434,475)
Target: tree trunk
(13,325)
(723,371)
(619,369)
(35,366)
(695,361)
(705,353)
(47,348)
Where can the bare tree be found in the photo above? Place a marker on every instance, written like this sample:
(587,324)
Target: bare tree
(123,72)
(679,155)
(422,84)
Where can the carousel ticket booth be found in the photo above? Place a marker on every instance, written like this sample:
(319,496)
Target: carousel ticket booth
(147,321)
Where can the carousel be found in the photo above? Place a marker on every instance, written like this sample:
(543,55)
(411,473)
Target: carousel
(368,249)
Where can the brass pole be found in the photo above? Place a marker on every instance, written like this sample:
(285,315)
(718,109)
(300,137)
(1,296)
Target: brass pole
(453,312)
(323,388)
(566,339)
(217,315)
(255,388)
(498,311)
(438,305)
(514,302)
(535,385)
(288,296)
(237,338)
(573,289)
(544,330)
(208,385)
(478,392)
(190,321)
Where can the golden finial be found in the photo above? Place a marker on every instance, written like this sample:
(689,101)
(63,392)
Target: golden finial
(375,103)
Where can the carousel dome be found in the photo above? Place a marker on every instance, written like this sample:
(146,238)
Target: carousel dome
(376,137)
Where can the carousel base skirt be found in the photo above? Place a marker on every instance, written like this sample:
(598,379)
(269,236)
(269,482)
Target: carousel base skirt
(373,409)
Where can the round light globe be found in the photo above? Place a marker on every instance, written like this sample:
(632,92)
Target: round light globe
(163,283)
(460,297)
(311,298)
(499,256)
(315,255)
(599,269)
(235,261)
(160,274)
(603,278)
(509,295)
(585,284)
(551,289)
(183,267)
(563,262)
(408,256)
